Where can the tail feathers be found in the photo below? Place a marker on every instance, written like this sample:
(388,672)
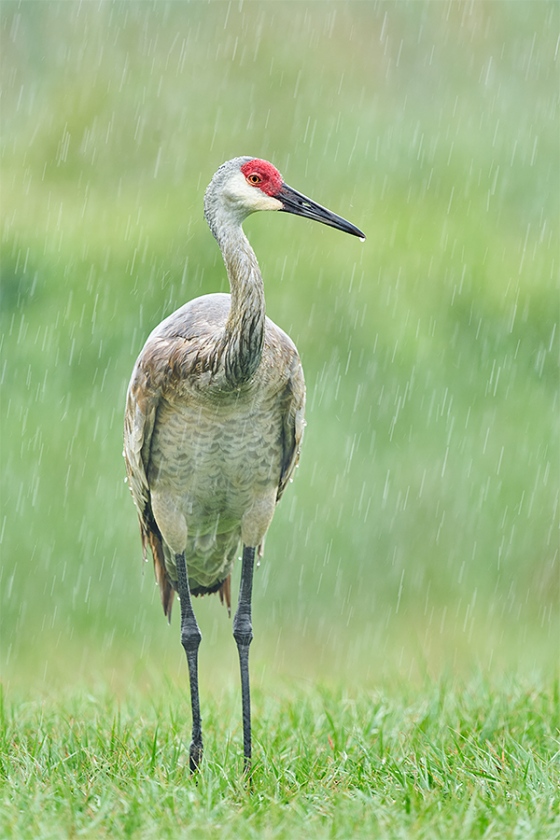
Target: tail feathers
(225,594)
(167,591)
(165,587)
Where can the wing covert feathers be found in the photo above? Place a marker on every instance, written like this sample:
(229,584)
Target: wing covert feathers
(144,394)
(293,425)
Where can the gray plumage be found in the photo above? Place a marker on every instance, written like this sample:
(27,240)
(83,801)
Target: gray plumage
(210,444)
(214,422)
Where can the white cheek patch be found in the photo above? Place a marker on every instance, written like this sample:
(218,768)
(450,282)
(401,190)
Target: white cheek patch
(264,201)
(239,192)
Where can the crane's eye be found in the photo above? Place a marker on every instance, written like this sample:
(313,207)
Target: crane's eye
(254,179)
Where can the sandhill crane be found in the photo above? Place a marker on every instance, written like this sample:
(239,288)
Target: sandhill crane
(214,421)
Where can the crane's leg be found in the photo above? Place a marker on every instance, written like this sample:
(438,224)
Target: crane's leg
(190,639)
(243,635)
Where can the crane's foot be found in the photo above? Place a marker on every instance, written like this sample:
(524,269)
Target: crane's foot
(195,756)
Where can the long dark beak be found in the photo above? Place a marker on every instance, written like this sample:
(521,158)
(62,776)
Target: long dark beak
(299,205)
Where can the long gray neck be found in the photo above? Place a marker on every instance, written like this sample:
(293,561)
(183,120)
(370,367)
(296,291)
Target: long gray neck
(244,329)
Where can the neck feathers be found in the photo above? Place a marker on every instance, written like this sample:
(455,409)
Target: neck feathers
(244,329)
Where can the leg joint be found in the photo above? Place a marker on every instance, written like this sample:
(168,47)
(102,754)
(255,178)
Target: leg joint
(243,639)
(190,638)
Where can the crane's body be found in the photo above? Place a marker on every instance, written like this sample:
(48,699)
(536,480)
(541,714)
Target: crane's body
(216,457)
(214,421)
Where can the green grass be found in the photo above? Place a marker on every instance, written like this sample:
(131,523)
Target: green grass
(445,760)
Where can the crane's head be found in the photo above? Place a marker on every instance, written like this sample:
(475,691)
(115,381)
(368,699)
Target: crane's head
(244,185)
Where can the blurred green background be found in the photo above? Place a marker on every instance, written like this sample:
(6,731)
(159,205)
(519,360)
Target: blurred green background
(421,534)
